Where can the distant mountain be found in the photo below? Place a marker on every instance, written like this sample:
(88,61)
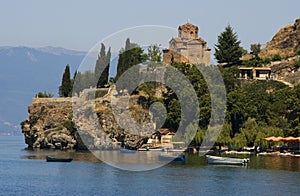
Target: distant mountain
(60,51)
(26,71)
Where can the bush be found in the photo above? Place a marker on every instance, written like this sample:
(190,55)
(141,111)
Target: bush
(297,64)
(276,57)
(266,61)
(68,124)
(44,95)
(298,52)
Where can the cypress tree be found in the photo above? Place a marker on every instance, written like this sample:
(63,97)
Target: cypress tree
(127,44)
(228,48)
(132,55)
(102,67)
(65,90)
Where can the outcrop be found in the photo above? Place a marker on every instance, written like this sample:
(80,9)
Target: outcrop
(285,43)
(87,123)
(44,126)
(285,46)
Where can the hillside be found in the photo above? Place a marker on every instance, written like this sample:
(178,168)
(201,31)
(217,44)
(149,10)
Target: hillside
(286,46)
(286,42)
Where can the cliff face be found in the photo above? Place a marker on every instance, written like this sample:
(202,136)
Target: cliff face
(44,126)
(286,42)
(91,123)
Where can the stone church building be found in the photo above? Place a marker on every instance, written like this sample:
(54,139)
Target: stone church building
(187,47)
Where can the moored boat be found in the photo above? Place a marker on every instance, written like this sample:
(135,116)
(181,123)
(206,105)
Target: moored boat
(226,160)
(175,149)
(56,159)
(173,158)
(151,149)
(124,150)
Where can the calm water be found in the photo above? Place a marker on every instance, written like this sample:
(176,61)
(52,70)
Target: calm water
(27,173)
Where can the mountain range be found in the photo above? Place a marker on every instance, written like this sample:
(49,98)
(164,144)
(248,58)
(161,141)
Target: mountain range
(25,71)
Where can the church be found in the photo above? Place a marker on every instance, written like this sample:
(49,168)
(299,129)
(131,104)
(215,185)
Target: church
(187,47)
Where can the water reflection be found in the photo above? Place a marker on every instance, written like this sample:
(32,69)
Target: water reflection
(149,160)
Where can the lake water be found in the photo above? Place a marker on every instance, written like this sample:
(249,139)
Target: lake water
(26,172)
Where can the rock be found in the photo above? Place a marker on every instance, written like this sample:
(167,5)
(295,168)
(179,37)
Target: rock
(44,126)
(94,123)
(286,42)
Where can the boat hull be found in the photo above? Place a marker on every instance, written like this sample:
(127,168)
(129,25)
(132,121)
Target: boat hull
(171,158)
(127,151)
(226,160)
(53,159)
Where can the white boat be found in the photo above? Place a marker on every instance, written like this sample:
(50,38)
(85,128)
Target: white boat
(175,149)
(226,160)
(151,149)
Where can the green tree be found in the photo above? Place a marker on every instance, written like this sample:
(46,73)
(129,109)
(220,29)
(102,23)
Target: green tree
(174,114)
(128,45)
(127,59)
(65,90)
(102,67)
(154,53)
(255,49)
(225,135)
(228,49)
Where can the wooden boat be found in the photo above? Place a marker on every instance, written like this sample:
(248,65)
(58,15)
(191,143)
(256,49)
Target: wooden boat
(55,159)
(226,160)
(124,150)
(173,158)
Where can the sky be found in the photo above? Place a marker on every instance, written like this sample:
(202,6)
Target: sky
(79,25)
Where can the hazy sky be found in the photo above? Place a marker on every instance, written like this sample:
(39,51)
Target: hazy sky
(81,24)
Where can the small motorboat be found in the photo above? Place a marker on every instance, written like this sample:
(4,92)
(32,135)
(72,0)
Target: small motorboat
(175,149)
(171,158)
(56,159)
(226,160)
(151,149)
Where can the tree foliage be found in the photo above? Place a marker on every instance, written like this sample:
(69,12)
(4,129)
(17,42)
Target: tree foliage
(255,49)
(228,49)
(65,90)
(154,53)
(102,67)
(130,56)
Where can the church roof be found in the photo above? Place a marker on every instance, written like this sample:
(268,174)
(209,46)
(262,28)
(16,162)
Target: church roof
(187,26)
(177,39)
(194,41)
(189,41)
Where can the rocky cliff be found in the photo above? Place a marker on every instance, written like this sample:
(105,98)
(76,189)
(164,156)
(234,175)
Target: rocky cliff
(286,42)
(81,123)
(44,126)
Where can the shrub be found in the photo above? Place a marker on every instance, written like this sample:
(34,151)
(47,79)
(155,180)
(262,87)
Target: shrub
(276,57)
(297,64)
(68,124)
(44,95)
